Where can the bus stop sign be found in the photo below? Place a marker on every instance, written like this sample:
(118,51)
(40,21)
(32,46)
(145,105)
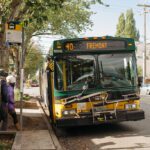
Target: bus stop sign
(13,32)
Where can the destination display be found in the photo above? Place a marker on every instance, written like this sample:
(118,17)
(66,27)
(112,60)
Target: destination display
(94,45)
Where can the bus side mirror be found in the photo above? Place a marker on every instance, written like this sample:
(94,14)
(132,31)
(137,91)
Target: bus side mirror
(50,63)
(51,66)
(140,79)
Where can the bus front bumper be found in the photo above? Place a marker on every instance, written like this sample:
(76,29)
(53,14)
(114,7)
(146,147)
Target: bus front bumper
(121,115)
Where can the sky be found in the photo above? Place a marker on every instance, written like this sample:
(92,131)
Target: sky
(105,20)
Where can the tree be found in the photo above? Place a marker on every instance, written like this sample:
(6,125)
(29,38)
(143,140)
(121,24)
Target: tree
(126,27)
(34,57)
(58,16)
(139,68)
(130,27)
(121,25)
(63,17)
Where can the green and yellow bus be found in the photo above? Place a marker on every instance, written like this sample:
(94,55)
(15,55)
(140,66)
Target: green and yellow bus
(91,81)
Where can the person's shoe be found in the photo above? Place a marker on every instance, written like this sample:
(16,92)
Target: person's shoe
(17,126)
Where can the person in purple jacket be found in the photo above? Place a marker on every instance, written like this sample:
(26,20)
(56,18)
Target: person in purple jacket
(11,80)
(3,100)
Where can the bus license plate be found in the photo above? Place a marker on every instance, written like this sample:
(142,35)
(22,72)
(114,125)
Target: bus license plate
(81,106)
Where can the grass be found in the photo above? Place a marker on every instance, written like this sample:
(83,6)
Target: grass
(17,96)
(6,141)
(26,97)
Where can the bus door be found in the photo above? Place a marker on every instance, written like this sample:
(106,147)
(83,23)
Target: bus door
(50,90)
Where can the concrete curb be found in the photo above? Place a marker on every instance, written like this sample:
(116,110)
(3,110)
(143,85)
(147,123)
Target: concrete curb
(8,132)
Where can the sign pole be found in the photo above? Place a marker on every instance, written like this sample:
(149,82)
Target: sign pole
(21,80)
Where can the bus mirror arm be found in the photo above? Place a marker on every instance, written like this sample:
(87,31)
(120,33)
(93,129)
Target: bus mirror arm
(84,88)
(77,97)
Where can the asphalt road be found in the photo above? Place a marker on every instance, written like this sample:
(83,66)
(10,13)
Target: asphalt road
(32,91)
(122,136)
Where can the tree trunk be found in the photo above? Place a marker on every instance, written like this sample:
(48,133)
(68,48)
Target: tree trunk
(17,65)
(4,55)
(15,56)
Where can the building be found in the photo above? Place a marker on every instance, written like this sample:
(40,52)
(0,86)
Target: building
(139,55)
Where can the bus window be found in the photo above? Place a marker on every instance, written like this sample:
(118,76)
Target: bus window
(78,70)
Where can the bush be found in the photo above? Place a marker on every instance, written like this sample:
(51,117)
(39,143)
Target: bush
(17,94)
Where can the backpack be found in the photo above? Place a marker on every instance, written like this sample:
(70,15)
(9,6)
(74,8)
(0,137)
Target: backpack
(0,102)
(2,111)
(0,93)
(3,92)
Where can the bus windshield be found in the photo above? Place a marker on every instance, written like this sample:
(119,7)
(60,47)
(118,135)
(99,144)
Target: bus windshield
(117,70)
(97,71)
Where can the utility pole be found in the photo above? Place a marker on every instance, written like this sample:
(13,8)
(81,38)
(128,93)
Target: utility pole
(144,52)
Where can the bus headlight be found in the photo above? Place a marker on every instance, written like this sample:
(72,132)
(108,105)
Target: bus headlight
(66,112)
(130,106)
(69,112)
(72,112)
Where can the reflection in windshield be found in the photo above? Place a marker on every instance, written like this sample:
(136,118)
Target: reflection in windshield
(98,71)
(117,70)
(73,72)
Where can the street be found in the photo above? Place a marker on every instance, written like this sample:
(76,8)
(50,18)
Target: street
(32,91)
(125,135)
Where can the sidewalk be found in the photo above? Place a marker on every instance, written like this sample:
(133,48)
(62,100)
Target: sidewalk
(33,140)
(37,134)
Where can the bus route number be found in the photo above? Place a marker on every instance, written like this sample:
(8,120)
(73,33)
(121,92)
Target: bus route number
(69,46)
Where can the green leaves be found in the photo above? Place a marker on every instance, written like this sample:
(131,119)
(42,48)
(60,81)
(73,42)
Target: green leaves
(35,58)
(127,27)
(63,17)
(121,25)
(130,29)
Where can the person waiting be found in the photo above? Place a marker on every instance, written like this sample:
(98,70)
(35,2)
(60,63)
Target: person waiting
(3,101)
(11,80)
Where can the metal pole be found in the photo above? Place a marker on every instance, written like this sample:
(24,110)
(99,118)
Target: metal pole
(21,80)
(144,54)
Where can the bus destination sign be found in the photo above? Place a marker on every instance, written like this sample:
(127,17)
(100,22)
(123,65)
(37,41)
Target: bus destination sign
(94,45)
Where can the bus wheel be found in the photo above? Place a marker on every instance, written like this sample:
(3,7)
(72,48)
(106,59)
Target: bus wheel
(60,132)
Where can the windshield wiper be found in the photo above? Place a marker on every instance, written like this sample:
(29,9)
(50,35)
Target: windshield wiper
(102,71)
(59,68)
(132,96)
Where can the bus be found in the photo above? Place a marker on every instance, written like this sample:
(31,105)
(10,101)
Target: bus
(91,80)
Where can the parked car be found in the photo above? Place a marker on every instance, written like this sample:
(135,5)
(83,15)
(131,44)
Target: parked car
(34,83)
(145,89)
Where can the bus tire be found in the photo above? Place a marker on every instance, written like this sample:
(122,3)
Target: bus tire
(60,132)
